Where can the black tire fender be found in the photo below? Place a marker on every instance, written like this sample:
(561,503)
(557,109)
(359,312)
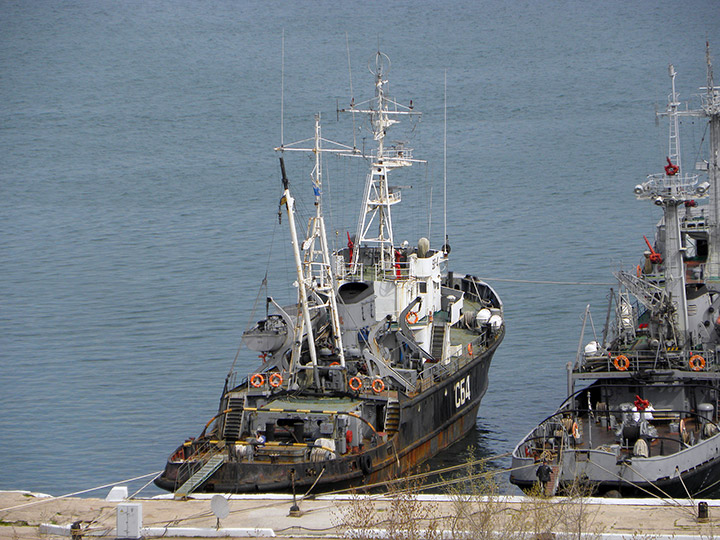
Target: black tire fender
(365,464)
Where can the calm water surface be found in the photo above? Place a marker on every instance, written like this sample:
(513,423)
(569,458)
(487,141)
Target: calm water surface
(139,191)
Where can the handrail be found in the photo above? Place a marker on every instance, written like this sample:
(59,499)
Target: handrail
(201,455)
(679,359)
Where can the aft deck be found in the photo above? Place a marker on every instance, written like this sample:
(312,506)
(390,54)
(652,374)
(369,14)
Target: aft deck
(601,433)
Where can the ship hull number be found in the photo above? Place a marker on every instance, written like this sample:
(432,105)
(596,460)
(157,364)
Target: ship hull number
(462,392)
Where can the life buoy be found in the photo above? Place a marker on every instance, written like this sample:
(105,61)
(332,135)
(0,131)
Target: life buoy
(275,380)
(378,386)
(575,431)
(697,362)
(411,317)
(621,363)
(257,380)
(355,383)
(671,169)
(470,349)
(684,435)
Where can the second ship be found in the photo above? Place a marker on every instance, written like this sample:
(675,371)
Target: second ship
(647,421)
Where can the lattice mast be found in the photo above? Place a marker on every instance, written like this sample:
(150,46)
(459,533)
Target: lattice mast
(317,259)
(316,279)
(379,197)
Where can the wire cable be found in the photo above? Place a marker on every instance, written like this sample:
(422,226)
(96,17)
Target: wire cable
(541,282)
(48,499)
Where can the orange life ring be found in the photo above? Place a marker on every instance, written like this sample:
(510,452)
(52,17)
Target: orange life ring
(378,386)
(621,363)
(700,365)
(355,383)
(575,431)
(257,380)
(275,380)
(412,317)
(470,349)
(682,431)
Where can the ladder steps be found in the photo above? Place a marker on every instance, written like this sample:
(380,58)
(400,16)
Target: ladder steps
(438,338)
(205,472)
(392,417)
(233,419)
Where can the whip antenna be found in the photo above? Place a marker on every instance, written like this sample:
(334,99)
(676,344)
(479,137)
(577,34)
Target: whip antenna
(282,88)
(445,246)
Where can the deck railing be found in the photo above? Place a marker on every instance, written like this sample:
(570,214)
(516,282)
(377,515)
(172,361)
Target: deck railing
(683,360)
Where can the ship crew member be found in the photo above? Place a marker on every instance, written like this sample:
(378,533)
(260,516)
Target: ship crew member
(543,474)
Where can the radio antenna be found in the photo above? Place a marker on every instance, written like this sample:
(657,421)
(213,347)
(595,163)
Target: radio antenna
(352,93)
(282,89)
(445,240)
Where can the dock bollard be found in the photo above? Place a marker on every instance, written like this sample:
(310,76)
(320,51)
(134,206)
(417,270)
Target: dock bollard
(294,509)
(703,511)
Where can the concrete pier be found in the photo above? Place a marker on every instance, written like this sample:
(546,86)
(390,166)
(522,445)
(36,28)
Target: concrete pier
(26,515)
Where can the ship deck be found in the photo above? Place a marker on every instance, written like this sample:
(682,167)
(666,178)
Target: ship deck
(597,434)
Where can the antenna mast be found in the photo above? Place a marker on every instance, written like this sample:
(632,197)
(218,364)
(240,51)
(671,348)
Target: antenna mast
(710,109)
(282,89)
(445,240)
(379,197)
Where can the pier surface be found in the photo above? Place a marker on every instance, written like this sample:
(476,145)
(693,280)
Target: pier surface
(25,515)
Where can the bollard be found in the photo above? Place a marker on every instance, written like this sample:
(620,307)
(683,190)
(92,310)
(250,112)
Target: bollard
(702,511)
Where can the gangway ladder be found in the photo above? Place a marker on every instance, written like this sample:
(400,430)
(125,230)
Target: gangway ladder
(554,483)
(206,471)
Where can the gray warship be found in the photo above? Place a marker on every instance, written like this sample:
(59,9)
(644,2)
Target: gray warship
(380,364)
(641,415)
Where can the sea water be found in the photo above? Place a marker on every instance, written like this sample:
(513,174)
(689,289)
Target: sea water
(139,192)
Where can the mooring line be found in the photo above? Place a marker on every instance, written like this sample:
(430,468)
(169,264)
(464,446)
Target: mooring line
(541,282)
(51,498)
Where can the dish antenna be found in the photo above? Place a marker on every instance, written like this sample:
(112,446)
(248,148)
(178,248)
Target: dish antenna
(219,507)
